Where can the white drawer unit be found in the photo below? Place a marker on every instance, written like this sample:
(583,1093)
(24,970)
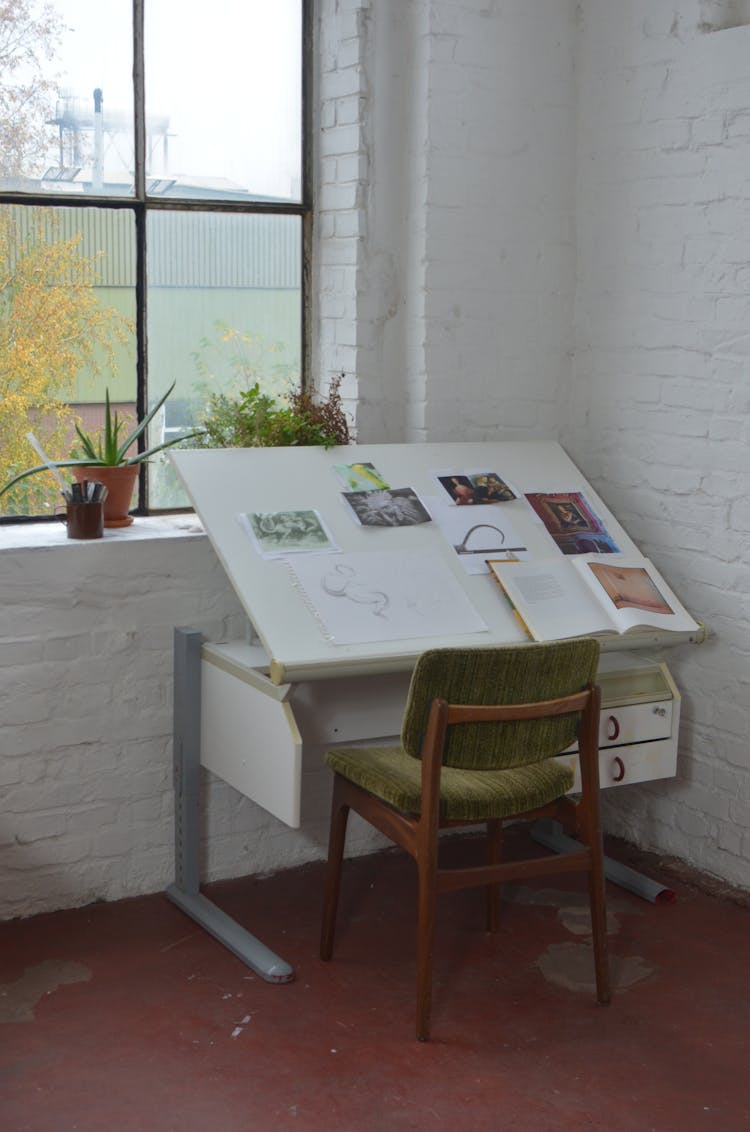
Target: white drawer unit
(254,733)
(639,722)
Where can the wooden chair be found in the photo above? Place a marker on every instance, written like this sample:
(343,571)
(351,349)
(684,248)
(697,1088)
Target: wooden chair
(478,735)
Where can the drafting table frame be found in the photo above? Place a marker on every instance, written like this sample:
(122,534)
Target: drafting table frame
(292,670)
(185,891)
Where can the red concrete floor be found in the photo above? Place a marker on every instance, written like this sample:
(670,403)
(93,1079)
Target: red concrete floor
(128,1017)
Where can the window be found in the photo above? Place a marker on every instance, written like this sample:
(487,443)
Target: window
(153,219)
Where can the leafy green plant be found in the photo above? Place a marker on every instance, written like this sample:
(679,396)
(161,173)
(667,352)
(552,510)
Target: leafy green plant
(254,419)
(232,359)
(107,449)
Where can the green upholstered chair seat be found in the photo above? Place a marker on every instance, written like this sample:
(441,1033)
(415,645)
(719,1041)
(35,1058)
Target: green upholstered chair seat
(465,795)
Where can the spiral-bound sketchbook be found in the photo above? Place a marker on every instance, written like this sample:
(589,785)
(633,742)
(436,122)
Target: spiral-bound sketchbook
(362,597)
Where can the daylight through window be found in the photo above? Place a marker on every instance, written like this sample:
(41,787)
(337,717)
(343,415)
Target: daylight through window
(152,222)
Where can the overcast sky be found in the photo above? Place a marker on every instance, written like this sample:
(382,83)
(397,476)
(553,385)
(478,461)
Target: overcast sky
(225,72)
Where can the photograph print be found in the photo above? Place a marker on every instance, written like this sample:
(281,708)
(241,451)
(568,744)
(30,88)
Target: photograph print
(476,488)
(276,533)
(360,477)
(490,488)
(630,587)
(397,507)
(572,523)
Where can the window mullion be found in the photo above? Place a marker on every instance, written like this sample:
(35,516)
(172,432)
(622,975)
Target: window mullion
(141,293)
(139,101)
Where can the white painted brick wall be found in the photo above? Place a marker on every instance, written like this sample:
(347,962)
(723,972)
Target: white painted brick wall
(461,260)
(341,169)
(452,203)
(86,799)
(660,402)
(500,247)
(85,726)
(484,217)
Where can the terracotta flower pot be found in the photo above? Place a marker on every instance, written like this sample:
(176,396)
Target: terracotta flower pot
(120,483)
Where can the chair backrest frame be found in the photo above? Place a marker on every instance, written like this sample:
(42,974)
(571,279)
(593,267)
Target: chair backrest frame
(524,679)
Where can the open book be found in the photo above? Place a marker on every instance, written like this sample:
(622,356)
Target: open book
(573,597)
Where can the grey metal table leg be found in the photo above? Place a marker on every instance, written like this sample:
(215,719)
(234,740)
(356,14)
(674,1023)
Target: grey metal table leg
(185,892)
(550,833)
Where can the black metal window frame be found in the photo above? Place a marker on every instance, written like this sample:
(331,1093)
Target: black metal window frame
(140,204)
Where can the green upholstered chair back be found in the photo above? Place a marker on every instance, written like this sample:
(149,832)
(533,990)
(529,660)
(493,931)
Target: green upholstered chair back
(508,675)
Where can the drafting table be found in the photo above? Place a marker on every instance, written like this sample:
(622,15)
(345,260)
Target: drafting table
(290,689)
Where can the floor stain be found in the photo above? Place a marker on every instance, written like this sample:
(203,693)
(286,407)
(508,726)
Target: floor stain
(572,910)
(571,966)
(18,999)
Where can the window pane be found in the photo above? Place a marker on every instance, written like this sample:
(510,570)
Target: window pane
(67,309)
(223,122)
(66,97)
(228,79)
(224,311)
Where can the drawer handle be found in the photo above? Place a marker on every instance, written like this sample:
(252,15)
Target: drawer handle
(613,727)
(660,711)
(620,769)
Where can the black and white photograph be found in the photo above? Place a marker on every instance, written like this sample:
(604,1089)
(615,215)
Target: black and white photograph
(397,507)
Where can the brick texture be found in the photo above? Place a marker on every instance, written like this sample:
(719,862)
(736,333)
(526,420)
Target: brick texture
(87,806)
(531,220)
(660,395)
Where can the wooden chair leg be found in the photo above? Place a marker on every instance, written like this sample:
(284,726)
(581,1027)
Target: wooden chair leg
(494,857)
(425,943)
(599,922)
(336,841)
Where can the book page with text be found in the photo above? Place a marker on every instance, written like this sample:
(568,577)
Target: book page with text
(552,599)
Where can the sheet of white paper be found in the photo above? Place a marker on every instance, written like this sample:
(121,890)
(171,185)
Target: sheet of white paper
(477,533)
(553,599)
(384,595)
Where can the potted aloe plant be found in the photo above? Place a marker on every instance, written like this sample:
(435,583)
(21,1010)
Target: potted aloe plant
(107,453)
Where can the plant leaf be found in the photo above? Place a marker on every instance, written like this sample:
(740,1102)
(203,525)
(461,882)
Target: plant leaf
(84,462)
(85,440)
(140,429)
(141,456)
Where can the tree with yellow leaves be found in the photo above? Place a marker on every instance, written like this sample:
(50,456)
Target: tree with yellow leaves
(53,330)
(29,37)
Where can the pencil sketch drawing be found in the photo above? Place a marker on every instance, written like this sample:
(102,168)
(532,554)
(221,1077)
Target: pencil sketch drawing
(341,581)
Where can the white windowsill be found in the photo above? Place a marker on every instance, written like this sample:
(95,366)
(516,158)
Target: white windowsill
(25,536)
